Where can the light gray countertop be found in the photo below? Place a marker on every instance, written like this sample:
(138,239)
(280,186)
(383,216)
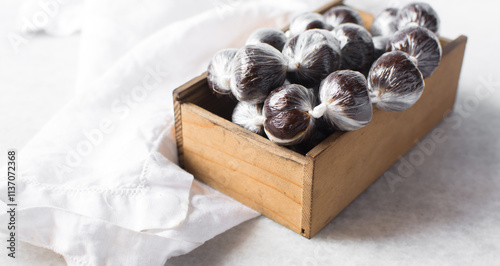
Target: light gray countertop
(445,212)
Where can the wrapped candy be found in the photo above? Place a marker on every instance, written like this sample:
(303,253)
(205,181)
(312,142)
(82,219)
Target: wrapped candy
(258,69)
(321,131)
(380,44)
(345,103)
(220,70)
(421,44)
(394,82)
(384,24)
(342,14)
(356,46)
(287,111)
(273,37)
(421,13)
(249,116)
(311,56)
(307,21)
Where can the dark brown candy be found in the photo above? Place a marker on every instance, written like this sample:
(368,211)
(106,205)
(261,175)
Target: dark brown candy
(258,69)
(287,125)
(385,24)
(345,103)
(220,70)
(356,46)
(307,21)
(342,14)
(286,109)
(421,44)
(394,82)
(311,56)
(420,13)
(321,131)
(271,36)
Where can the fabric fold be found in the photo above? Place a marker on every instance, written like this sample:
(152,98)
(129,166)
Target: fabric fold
(100,179)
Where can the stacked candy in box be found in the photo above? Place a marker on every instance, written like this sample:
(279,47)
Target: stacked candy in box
(326,72)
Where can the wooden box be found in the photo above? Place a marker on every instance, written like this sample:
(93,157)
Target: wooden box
(304,192)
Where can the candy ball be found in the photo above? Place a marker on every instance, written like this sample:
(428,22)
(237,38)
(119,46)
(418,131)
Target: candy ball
(356,46)
(321,131)
(345,103)
(421,13)
(249,116)
(342,14)
(273,37)
(380,44)
(220,70)
(421,44)
(311,56)
(307,21)
(258,69)
(384,24)
(394,82)
(286,109)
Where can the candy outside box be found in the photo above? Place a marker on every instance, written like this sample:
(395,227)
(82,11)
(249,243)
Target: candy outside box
(305,192)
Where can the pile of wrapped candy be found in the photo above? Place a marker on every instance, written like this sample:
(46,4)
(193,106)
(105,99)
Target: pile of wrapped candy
(327,71)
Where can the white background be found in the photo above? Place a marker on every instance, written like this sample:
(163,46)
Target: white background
(447,212)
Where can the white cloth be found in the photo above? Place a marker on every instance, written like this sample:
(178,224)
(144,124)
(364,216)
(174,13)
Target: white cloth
(99,183)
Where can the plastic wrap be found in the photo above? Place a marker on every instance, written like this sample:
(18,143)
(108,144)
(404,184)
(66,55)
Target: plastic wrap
(380,44)
(356,46)
(385,23)
(258,69)
(344,101)
(421,13)
(321,131)
(421,44)
(394,82)
(287,111)
(249,116)
(311,56)
(271,36)
(220,70)
(307,21)
(342,14)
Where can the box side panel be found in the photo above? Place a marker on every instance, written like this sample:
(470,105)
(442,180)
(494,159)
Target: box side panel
(187,92)
(307,199)
(252,174)
(367,19)
(356,159)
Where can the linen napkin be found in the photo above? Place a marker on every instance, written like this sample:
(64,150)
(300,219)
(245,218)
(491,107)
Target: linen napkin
(99,183)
